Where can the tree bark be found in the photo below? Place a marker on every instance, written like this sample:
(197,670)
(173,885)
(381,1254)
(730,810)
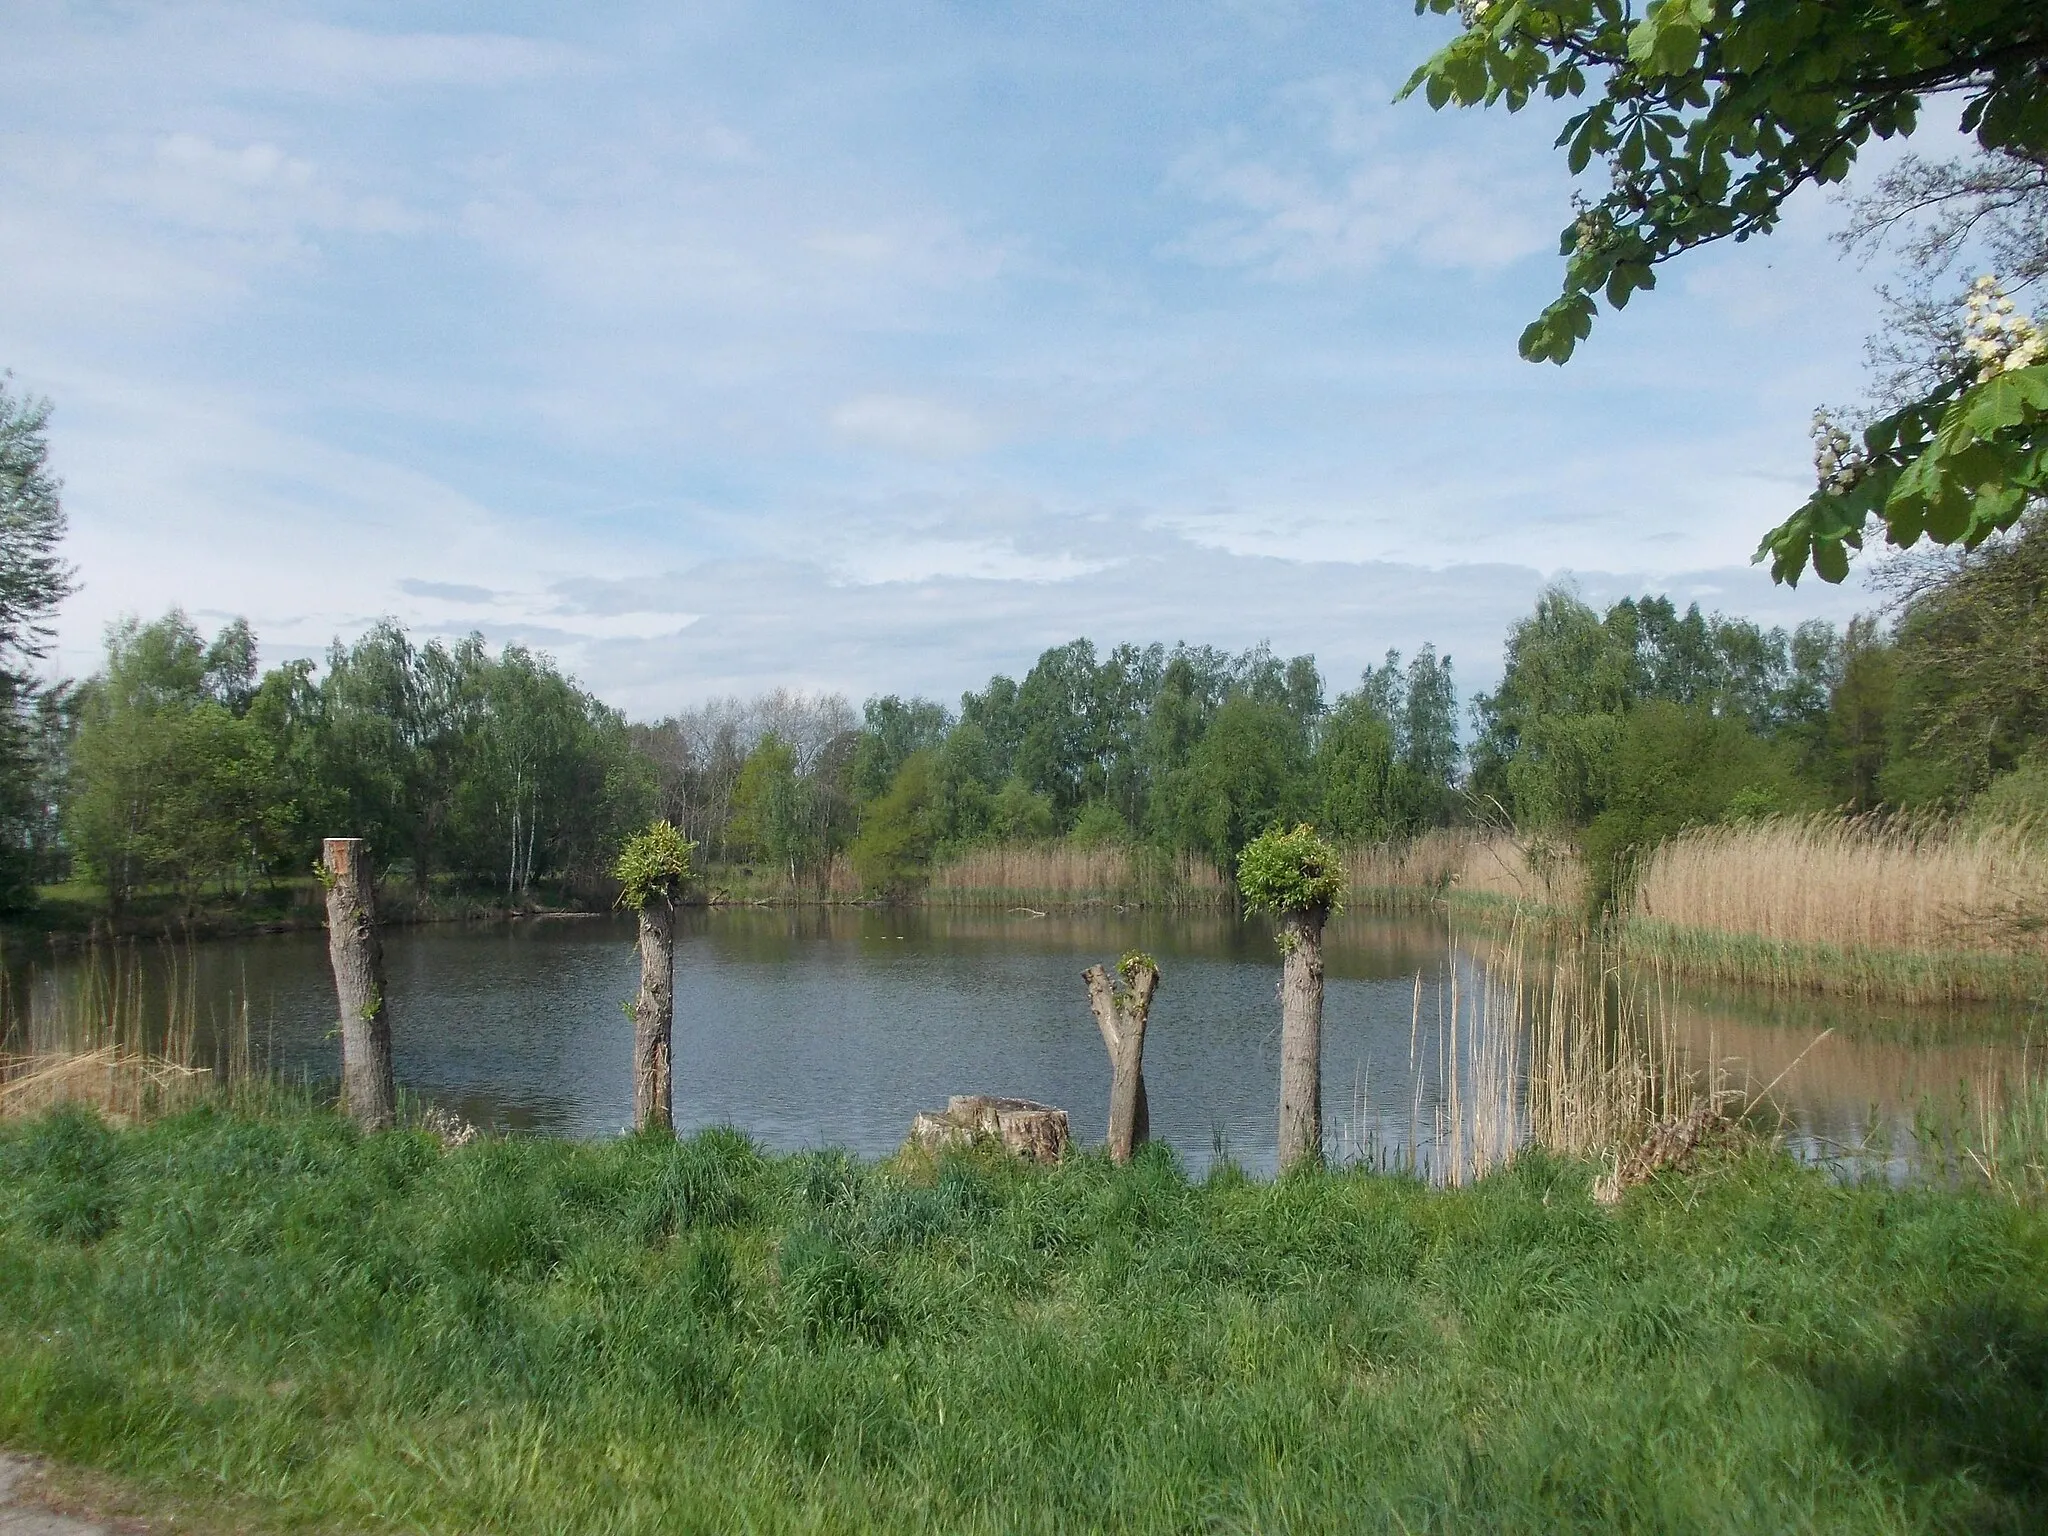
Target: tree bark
(654,1013)
(368,1092)
(1301,1039)
(1121,1016)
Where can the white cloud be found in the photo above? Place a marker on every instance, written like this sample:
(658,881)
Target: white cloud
(918,560)
(928,429)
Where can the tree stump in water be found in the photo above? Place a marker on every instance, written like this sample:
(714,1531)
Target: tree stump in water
(1027,1129)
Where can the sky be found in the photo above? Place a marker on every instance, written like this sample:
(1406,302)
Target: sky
(871,347)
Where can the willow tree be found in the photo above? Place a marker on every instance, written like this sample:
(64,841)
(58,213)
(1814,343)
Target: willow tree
(1298,877)
(653,869)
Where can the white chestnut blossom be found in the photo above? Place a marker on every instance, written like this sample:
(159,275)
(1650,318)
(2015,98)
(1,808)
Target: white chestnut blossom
(1997,337)
(1836,462)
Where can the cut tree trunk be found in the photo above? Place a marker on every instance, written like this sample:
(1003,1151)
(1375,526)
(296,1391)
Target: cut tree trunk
(1023,1127)
(1301,1039)
(654,1016)
(1120,1015)
(368,1092)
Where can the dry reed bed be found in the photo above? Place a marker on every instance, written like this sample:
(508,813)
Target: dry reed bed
(1063,875)
(1853,885)
(1522,869)
(123,1086)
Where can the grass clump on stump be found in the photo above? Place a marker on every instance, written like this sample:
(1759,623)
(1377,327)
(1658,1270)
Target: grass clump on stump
(1298,877)
(653,870)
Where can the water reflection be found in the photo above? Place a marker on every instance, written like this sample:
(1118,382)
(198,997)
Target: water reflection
(834,1026)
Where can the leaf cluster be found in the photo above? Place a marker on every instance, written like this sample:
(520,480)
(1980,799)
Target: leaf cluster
(1956,466)
(654,864)
(1708,114)
(1286,872)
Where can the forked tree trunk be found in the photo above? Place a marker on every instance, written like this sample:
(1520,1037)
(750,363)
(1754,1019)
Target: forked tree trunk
(354,949)
(1121,1016)
(1301,1038)
(654,1015)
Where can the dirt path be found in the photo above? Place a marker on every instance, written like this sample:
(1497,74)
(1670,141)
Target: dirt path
(19,1516)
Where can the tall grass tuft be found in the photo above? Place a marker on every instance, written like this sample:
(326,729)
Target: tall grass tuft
(1544,1039)
(121,1033)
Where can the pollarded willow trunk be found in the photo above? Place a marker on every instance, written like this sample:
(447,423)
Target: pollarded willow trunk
(1121,1013)
(654,1015)
(354,949)
(1301,1038)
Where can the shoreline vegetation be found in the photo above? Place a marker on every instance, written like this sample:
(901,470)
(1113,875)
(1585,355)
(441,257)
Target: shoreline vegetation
(1531,1312)
(1926,913)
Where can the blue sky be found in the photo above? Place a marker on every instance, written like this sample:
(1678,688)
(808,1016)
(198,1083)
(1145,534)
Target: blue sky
(872,346)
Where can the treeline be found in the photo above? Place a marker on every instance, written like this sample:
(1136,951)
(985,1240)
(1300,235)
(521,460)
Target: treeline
(1187,749)
(178,765)
(1628,726)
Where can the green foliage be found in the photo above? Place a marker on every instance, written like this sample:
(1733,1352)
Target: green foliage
(35,721)
(1290,872)
(654,865)
(1675,767)
(2016,799)
(330,1331)
(1955,467)
(1550,734)
(187,767)
(1708,115)
(168,784)
(1098,825)
(1247,772)
(1386,755)
(893,853)
(892,730)
(1020,814)
(1972,660)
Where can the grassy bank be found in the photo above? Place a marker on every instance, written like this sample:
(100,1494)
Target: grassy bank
(643,1335)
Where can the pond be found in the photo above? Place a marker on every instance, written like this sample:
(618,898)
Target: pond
(833,1027)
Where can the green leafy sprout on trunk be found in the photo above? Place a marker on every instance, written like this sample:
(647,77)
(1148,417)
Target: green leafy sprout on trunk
(1291,872)
(654,864)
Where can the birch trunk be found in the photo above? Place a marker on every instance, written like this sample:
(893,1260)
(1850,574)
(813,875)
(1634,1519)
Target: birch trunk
(354,949)
(1301,1039)
(1121,1017)
(654,1013)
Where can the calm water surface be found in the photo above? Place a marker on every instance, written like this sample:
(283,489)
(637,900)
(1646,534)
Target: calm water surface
(833,1027)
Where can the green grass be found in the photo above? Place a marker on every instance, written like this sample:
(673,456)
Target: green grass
(644,1335)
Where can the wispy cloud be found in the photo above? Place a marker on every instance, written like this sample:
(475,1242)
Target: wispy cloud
(1338,190)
